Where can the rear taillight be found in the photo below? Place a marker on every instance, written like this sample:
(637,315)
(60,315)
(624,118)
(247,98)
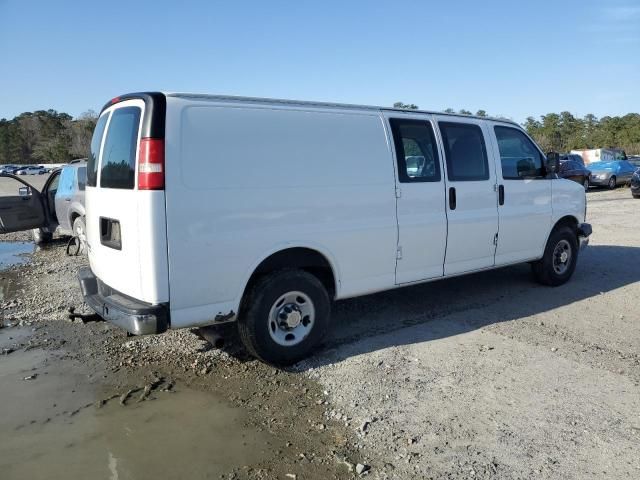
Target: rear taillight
(151,164)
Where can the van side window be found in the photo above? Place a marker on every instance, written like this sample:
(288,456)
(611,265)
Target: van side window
(118,166)
(96,140)
(465,151)
(65,185)
(416,150)
(519,157)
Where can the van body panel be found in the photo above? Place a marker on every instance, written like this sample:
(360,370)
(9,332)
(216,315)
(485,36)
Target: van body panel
(236,168)
(138,268)
(568,199)
(246,178)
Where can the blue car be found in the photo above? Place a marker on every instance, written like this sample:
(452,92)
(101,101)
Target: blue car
(611,174)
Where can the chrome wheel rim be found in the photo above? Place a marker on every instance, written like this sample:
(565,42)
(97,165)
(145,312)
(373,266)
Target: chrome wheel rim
(291,318)
(562,257)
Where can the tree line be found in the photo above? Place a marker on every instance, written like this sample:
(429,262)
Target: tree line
(45,137)
(562,132)
(48,136)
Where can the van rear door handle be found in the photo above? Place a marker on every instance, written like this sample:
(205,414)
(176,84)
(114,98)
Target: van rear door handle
(452,198)
(501,195)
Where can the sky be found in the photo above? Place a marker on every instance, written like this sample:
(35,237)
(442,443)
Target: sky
(511,58)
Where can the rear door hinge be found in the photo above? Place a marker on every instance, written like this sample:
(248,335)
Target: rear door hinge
(399,253)
(495,239)
(398,192)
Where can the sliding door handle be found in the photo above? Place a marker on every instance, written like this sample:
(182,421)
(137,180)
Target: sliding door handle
(501,195)
(452,198)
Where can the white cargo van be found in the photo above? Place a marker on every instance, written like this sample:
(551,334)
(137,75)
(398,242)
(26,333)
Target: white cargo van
(208,209)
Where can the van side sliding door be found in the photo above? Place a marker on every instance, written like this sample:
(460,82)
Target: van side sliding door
(422,220)
(472,211)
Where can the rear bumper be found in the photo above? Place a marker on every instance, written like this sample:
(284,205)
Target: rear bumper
(584,231)
(135,316)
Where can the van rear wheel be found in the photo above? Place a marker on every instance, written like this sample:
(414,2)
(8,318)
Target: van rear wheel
(560,256)
(284,317)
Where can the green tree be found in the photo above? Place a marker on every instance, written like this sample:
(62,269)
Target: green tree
(406,106)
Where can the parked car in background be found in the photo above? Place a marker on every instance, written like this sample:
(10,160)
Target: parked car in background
(69,204)
(63,200)
(27,170)
(31,170)
(635,161)
(9,168)
(573,169)
(611,174)
(572,156)
(635,184)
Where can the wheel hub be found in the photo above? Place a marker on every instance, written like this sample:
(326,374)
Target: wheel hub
(289,316)
(561,257)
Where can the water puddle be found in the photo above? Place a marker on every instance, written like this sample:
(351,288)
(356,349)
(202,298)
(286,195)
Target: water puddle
(53,427)
(13,253)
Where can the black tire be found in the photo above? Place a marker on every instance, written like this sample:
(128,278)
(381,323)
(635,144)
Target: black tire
(585,184)
(40,237)
(612,183)
(80,231)
(544,270)
(635,196)
(254,321)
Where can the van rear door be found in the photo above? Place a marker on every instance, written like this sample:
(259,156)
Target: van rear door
(126,225)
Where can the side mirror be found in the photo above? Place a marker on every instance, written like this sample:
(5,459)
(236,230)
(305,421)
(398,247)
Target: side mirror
(24,191)
(552,164)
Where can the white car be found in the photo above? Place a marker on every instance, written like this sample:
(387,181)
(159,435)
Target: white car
(324,206)
(29,170)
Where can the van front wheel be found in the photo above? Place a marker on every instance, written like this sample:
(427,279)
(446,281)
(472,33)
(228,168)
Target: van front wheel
(559,260)
(285,315)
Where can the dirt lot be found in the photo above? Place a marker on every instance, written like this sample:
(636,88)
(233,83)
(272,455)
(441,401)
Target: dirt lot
(484,376)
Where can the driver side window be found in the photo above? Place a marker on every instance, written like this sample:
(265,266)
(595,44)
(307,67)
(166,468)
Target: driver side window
(519,157)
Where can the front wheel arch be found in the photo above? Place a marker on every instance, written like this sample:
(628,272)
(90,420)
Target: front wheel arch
(566,221)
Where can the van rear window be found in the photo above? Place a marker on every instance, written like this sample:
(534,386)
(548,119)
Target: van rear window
(118,166)
(96,140)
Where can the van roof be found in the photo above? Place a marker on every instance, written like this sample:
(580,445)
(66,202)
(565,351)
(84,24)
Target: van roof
(233,98)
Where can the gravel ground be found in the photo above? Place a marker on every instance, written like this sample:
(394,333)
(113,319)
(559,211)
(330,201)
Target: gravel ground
(483,376)
(498,377)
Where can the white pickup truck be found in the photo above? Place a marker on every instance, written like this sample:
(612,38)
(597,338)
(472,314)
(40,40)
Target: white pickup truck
(206,209)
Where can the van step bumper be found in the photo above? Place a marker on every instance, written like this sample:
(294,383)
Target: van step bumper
(135,316)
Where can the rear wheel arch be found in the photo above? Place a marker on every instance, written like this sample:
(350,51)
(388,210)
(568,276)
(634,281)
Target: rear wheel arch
(308,259)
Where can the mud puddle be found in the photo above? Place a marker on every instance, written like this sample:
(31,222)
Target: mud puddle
(60,421)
